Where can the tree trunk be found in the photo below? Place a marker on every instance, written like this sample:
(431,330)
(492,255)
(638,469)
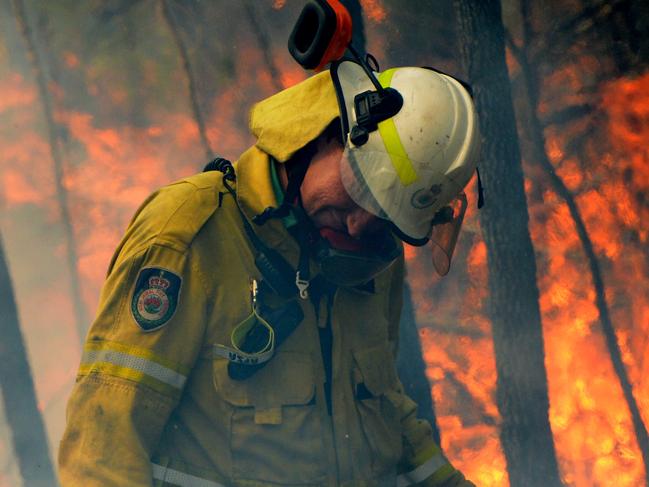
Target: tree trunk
(263,42)
(640,16)
(62,197)
(170,19)
(27,429)
(522,394)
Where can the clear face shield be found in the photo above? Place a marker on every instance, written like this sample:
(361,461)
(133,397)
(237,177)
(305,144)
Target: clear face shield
(443,236)
(353,268)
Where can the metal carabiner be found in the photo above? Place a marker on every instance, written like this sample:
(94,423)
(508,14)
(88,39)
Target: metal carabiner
(302,285)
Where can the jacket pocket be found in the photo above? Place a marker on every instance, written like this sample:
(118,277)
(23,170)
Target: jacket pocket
(377,398)
(275,427)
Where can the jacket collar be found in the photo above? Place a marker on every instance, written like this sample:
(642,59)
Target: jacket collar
(290,119)
(255,194)
(282,124)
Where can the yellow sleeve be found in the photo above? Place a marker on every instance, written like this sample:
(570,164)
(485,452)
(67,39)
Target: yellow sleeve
(423,463)
(136,359)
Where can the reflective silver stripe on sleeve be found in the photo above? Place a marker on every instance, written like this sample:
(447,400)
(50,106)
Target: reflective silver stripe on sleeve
(175,477)
(422,472)
(148,367)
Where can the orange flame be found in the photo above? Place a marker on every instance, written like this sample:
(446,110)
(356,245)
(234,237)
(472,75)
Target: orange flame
(112,167)
(590,420)
(594,437)
(374,10)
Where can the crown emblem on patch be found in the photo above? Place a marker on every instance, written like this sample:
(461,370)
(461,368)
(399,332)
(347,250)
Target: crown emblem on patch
(159,282)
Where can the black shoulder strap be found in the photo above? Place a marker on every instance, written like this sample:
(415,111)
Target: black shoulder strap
(277,272)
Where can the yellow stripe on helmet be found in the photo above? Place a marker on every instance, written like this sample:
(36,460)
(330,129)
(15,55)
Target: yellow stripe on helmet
(388,130)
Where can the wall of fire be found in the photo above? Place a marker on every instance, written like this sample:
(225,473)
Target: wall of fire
(122,123)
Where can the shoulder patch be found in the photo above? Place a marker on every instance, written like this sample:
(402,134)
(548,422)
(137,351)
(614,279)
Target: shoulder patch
(155,297)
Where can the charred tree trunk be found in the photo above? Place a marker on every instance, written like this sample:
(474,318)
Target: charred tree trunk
(522,394)
(263,41)
(536,135)
(170,19)
(81,316)
(18,394)
(640,14)
(133,63)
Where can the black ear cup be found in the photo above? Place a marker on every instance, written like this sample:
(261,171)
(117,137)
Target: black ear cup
(312,33)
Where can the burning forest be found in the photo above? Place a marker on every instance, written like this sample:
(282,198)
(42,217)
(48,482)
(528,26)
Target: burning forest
(101,103)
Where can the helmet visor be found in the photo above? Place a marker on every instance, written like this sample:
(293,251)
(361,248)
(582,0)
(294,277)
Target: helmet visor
(388,187)
(354,164)
(352,268)
(444,235)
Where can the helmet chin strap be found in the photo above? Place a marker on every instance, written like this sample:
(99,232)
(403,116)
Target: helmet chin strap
(304,232)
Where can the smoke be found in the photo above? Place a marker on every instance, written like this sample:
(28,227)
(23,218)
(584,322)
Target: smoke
(125,126)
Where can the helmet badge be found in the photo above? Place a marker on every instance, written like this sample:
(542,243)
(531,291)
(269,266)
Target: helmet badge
(425,198)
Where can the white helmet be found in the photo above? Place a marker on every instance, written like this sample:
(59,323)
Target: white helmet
(415,162)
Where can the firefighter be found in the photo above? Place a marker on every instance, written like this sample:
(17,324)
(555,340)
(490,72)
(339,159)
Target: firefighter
(247,328)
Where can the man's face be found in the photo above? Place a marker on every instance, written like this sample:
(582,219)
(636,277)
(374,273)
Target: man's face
(325,199)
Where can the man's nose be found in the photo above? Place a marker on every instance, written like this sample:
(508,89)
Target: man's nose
(361,223)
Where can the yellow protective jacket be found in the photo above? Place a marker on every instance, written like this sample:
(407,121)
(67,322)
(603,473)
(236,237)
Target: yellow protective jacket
(155,406)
